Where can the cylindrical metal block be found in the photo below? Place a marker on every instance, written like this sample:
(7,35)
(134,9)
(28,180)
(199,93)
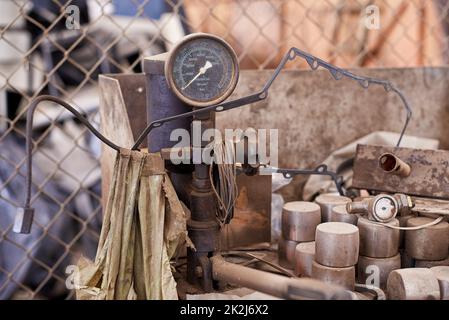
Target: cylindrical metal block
(403,223)
(340,214)
(327,201)
(413,284)
(336,244)
(433,216)
(442,275)
(344,277)
(304,256)
(406,260)
(377,240)
(375,271)
(431,263)
(286,253)
(430,243)
(299,220)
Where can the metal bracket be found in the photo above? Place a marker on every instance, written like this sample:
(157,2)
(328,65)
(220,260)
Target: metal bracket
(314,63)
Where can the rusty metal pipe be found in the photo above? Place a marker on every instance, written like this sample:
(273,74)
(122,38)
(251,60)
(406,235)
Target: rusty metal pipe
(389,163)
(357,207)
(276,285)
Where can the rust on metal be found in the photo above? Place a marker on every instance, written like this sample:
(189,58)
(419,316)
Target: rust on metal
(392,164)
(428,175)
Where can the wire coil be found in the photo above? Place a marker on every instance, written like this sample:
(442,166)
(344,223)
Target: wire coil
(226,191)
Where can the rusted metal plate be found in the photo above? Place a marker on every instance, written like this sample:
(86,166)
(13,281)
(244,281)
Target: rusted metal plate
(252,213)
(316,115)
(429,175)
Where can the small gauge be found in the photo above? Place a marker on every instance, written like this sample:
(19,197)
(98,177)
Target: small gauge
(202,70)
(385,208)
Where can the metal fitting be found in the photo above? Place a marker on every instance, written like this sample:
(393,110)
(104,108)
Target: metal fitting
(23,220)
(381,208)
(389,163)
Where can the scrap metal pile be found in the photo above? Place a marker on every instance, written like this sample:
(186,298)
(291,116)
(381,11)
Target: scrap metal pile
(390,227)
(394,237)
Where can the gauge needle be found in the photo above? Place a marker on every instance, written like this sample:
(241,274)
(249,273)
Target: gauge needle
(202,71)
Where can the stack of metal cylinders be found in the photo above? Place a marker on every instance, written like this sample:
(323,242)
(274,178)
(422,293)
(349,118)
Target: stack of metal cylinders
(340,214)
(327,201)
(379,252)
(406,260)
(428,246)
(299,221)
(427,249)
(442,275)
(336,253)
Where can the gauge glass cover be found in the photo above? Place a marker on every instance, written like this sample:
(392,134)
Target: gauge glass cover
(203,70)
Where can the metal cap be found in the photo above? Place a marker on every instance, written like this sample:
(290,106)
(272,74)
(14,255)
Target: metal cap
(23,220)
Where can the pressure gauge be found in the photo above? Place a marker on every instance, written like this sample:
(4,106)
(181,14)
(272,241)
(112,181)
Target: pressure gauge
(384,208)
(202,70)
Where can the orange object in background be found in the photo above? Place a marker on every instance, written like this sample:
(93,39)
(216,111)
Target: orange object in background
(261,31)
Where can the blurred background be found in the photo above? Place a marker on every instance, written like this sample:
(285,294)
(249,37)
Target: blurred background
(60,47)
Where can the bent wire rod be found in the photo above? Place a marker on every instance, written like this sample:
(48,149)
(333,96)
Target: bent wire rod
(313,62)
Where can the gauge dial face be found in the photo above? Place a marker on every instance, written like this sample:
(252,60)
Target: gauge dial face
(385,208)
(202,70)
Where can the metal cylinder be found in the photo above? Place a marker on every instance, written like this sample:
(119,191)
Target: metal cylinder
(377,240)
(344,277)
(431,263)
(442,275)
(413,284)
(304,256)
(299,220)
(340,214)
(433,216)
(403,223)
(327,201)
(375,271)
(360,206)
(389,163)
(430,243)
(275,285)
(286,252)
(407,261)
(337,244)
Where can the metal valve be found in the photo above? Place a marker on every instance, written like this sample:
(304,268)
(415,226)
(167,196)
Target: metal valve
(383,207)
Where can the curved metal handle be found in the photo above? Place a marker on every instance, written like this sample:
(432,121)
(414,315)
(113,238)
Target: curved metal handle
(24,216)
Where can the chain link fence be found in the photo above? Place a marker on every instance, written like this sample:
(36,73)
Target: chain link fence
(59,47)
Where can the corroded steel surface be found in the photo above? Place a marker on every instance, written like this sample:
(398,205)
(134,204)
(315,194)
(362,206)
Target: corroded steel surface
(316,115)
(428,176)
